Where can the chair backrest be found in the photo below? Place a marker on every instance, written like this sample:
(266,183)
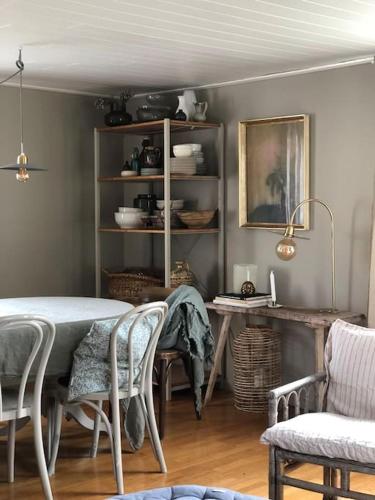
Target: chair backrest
(350,367)
(35,326)
(156,312)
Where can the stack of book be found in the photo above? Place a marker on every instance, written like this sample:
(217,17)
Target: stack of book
(237,299)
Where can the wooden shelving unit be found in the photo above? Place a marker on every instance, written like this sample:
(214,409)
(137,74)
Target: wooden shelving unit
(165,128)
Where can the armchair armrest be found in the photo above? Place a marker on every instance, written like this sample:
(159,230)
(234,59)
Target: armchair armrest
(296,394)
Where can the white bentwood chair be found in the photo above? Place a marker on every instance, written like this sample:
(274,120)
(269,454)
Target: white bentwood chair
(18,401)
(140,386)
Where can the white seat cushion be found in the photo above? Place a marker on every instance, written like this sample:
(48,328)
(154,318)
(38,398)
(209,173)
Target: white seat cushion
(325,434)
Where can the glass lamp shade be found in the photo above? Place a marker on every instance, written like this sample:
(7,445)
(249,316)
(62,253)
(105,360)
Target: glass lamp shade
(286,248)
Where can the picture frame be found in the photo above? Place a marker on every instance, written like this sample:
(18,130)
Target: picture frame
(273,171)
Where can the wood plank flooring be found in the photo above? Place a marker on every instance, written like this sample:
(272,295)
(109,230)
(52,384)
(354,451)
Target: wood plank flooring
(221,450)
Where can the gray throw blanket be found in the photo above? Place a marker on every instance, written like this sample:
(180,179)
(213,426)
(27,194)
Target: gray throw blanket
(187,328)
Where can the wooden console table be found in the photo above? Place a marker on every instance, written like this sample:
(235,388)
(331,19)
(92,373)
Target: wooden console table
(318,321)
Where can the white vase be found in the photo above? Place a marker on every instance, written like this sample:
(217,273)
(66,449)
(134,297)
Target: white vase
(190,100)
(182,106)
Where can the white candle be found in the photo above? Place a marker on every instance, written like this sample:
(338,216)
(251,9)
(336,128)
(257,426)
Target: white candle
(273,288)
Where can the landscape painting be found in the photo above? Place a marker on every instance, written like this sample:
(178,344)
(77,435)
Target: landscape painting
(273,171)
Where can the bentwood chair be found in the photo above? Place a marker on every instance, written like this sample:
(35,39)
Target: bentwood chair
(327,419)
(16,400)
(136,385)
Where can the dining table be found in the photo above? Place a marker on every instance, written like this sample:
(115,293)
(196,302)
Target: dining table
(73,318)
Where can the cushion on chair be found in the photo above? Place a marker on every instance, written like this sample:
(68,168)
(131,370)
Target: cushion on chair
(350,365)
(186,492)
(325,434)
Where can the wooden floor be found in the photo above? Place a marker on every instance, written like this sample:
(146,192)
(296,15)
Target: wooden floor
(221,450)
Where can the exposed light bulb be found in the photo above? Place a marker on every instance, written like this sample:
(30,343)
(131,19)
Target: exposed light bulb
(22,174)
(286,248)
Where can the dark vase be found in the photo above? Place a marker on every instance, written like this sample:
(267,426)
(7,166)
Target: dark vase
(180,115)
(116,116)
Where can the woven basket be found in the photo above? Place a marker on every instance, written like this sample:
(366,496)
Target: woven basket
(256,367)
(128,284)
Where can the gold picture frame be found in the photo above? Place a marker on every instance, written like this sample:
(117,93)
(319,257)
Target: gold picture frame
(273,171)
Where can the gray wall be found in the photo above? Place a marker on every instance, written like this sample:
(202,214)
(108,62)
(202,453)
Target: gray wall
(341,104)
(47,234)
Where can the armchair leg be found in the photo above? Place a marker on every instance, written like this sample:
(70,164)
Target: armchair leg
(276,488)
(329,479)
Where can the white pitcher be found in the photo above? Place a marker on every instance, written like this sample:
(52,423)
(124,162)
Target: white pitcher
(200,111)
(190,99)
(182,106)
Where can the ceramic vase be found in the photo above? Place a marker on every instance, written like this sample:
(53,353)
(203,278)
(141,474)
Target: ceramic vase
(200,110)
(182,107)
(190,99)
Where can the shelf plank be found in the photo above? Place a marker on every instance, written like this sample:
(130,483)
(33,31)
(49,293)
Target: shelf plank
(207,230)
(152,178)
(157,127)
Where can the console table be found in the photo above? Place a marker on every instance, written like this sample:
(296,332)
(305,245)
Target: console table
(318,321)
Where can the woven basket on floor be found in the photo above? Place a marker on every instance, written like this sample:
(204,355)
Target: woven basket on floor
(256,367)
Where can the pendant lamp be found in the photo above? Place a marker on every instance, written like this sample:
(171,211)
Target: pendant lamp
(22,166)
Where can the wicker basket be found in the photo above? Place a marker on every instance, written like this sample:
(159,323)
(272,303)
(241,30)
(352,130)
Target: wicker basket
(256,367)
(128,284)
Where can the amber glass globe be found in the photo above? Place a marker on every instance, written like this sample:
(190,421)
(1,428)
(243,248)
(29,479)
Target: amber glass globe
(286,249)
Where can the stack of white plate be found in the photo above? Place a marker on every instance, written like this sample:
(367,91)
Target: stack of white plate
(183,166)
(198,155)
(129,217)
(151,171)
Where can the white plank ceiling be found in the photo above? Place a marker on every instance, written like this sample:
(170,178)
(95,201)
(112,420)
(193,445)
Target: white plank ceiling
(102,46)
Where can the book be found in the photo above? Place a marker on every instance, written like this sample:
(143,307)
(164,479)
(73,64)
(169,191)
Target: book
(247,298)
(259,302)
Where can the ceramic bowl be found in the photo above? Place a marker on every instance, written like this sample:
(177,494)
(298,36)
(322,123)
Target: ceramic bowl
(196,148)
(182,152)
(197,219)
(128,173)
(129,210)
(129,219)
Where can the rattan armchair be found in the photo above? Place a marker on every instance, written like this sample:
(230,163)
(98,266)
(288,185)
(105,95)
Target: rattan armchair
(311,420)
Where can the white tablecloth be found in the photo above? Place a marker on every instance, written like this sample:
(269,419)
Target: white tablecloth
(73,317)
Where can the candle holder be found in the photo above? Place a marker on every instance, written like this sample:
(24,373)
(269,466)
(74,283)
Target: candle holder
(274,305)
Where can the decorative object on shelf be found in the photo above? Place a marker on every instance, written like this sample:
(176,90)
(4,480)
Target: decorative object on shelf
(174,204)
(247,288)
(151,157)
(200,110)
(129,217)
(22,166)
(242,273)
(146,202)
(135,161)
(196,219)
(181,275)
(127,170)
(149,113)
(155,221)
(256,367)
(118,114)
(273,291)
(128,284)
(182,112)
(286,248)
(182,150)
(151,171)
(189,99)
(273,171)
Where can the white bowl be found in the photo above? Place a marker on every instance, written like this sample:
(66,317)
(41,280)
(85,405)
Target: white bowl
(128,173)
(182,153)
(129,210)
(196,148)
(128,219)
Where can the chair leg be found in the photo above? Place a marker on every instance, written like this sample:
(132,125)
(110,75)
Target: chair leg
(145,415)
(96,433)
(276,489)
(162,380)
(153,427)
(11,449)
(50,426)
(40,457)
(116,429)
(58,413)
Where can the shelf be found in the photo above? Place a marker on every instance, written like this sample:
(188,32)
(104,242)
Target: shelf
(157,127)
(207,230)
(152,178)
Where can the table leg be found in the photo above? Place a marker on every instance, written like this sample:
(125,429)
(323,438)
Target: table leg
(221,341)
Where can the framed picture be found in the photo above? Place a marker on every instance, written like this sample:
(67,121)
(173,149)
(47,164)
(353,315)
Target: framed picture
(273,171)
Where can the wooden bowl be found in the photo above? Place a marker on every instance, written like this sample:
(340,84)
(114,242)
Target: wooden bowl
(197,219)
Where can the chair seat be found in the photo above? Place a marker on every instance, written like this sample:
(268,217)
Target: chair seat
(60,390)
(186,492)
(325,434)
